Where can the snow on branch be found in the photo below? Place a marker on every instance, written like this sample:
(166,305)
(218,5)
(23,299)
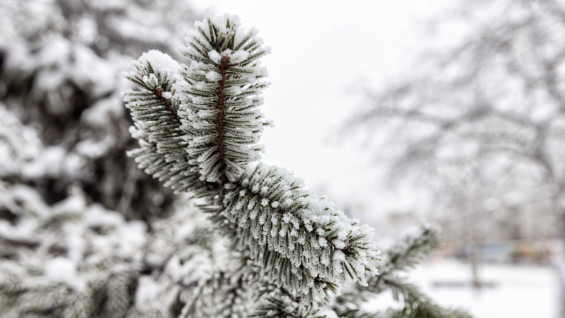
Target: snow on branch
(220,97)
(398,258)
(157,124)
(299,239)
(198,126)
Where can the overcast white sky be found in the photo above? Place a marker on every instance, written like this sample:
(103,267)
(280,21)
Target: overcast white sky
(322,51)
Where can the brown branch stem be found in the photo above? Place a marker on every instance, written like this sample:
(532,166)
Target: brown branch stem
(167,102)
(221,106)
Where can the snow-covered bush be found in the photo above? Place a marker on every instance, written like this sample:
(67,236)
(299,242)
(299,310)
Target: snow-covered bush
(60,66)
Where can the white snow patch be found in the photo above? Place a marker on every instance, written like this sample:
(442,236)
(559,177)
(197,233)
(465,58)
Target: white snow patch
(215,56)
(147,291)
(161,62)
(64,270)
(239,56)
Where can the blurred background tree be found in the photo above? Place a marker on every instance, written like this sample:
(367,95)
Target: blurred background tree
(60,72)
(480,122)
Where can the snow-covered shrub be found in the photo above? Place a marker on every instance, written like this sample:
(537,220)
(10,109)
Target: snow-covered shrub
(74,259)
(60,66)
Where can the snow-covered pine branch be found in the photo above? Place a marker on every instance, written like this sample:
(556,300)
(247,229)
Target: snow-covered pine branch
(198,128)
(398,258)
(280,305)
(220,97)
(157,123)
(410,251)
(299,239)
(225,294)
